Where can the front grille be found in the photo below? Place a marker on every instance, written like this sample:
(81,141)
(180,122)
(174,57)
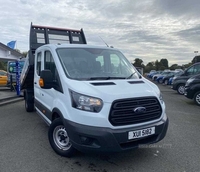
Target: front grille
(122,111)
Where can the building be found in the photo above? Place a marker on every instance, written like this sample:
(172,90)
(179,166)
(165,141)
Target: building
(9,54)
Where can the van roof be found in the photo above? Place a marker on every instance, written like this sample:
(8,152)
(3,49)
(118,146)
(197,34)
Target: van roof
(55,46)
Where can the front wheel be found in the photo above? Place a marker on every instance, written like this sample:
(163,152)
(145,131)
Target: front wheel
(181,89)
(197,98)
(59,139)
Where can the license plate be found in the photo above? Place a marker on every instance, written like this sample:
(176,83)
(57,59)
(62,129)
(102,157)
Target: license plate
(141,133)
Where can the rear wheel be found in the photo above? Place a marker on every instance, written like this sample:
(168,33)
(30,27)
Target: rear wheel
(166,82)
(29,101)
(59,139)
(160,81)
(197,98)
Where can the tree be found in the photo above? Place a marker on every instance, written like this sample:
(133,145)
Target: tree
(3,65)
(196,59)
(164,63)
(17,50)
(158,65)
(150,66)
(138,62)
(173,67)
(185,66)
(24,53)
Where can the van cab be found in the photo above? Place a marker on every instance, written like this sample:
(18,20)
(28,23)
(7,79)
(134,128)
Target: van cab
(180,81)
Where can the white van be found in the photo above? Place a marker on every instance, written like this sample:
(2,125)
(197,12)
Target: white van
(93,99)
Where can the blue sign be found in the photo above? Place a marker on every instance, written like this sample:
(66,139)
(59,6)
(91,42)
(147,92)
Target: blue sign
(12,66)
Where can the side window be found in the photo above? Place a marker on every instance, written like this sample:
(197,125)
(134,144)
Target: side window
(190,71)
(38,65)
(197,69)
(49,63)
(193,70)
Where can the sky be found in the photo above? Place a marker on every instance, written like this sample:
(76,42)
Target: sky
(147,29)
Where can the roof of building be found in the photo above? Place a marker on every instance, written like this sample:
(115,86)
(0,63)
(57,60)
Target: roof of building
(14,52)
(9,54)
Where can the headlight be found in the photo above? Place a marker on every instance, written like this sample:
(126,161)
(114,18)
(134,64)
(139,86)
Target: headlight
(189,81)
(87,103)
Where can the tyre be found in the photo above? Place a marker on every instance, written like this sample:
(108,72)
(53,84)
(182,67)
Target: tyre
(197,98)
(166,82)
(160,81)
(59,139)
(29,102)
(181,89)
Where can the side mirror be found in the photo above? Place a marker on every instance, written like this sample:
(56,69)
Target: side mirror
(46,79)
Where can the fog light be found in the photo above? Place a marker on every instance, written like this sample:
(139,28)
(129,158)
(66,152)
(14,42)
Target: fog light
(86,140)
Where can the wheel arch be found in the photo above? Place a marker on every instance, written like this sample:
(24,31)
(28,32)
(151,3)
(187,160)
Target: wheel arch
(56,113)
(196,87)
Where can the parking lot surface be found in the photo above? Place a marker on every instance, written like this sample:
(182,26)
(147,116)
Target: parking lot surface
(25,147)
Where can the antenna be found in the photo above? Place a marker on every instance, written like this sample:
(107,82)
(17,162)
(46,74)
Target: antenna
(104,41)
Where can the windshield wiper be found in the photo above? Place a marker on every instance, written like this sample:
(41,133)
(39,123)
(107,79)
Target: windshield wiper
(132,75)
(105,78)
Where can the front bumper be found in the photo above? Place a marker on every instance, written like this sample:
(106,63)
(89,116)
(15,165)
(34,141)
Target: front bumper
(189,93)
(98,139)
(174,86)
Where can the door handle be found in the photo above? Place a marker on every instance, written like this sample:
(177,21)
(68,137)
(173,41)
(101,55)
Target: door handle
(35,82)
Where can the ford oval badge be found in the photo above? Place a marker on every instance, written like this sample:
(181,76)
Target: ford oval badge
(139,110)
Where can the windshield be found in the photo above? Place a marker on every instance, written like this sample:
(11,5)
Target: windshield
(95,64)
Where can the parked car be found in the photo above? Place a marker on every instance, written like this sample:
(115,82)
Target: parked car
(192,89)
(178,70)
(3,78)
(166,79)
(160,79)
(179,82)
(154,73)
(149,75)
(158,75)
(170,81)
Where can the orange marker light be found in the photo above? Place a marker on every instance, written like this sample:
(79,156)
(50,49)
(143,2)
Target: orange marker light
(41,82)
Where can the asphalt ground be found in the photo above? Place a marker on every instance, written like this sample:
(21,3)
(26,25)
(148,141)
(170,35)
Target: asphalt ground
(24,145)
(7,96)
(5,92)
